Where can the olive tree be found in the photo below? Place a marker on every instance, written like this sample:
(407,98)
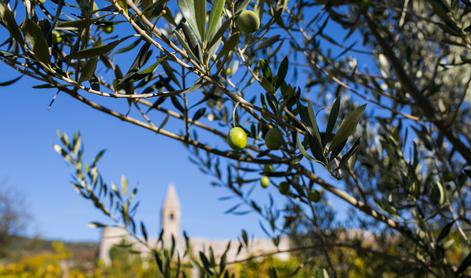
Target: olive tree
(359,102)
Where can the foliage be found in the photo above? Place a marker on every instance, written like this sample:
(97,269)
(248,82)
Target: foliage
(13,216)
(46,264)
(371,99)
(59,262)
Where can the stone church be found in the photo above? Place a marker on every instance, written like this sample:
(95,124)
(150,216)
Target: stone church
(170,223)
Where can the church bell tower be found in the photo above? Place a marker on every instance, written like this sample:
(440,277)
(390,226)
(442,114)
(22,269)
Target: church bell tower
(171,214)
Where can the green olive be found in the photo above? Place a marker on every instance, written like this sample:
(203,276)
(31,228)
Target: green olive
(56,37)
(274,139)
(314,196)
(249,22)
(108,29)
(265,181)
(237,138)
(268,168)
(284,188)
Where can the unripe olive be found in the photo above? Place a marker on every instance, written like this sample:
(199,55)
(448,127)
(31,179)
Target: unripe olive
(314,196)
(108,29)
(248,22)
(265,181)
(237,138)
(42,1)
(284,188)
(274,139)
(268,168)
(56,37)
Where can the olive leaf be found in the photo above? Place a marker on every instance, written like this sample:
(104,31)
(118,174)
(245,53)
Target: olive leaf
(304,152)
(187,7)
(445,231)
(216,40)
(35,38)
(267,42)
(439,194)
(95,224)
(228,46)
(281,74)
(190,36)
(124,185)
(215,17)
(334,113)
(200,16)
(199,113)
(218,36)
(88,70)
(464,264)
(169,71)
(144,231)
(177,104)
(139,61)
(77,24)
(147,8)
(10,82)
(313,136)
(96,51)
(348,126)
(7,18)
(242,5)
(312,118)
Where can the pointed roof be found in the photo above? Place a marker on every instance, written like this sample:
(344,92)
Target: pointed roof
(171,198)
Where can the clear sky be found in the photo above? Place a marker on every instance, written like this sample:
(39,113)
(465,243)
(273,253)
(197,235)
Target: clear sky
(29,164)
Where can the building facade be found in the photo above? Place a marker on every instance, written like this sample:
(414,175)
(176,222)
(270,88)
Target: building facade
(170,223)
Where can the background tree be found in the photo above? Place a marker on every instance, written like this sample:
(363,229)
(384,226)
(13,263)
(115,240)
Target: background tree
(361,101)
(13,216)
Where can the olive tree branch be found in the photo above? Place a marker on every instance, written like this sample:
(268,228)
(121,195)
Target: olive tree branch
(96,106)
(420,100)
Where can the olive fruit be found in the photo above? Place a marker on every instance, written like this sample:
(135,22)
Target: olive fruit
(268,168)
(237,138)
(108,29)
(248,21)
(284,188)
(265,181)
(56,37)
(314,196)
(274,139)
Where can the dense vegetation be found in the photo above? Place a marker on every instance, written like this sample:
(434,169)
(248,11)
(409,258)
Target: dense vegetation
(40,258)
(365,102)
